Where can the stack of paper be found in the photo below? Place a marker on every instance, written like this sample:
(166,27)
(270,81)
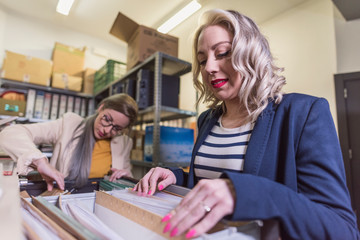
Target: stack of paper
(87,218)
(159,203)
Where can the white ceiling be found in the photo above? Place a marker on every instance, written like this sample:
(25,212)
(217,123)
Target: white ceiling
(95,17)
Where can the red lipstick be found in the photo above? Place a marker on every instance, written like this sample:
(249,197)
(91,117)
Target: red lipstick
(218,83)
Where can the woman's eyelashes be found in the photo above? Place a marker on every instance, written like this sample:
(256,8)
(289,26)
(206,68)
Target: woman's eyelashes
(223,54)
(218,56)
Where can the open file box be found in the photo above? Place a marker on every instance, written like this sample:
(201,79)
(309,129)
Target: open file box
(132,222)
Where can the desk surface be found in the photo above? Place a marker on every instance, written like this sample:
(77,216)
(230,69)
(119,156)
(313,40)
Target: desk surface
(10,215)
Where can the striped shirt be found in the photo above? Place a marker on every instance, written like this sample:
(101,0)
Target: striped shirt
(223,149)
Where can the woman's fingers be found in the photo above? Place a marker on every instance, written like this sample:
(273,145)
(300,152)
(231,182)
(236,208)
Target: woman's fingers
(202,208)
(50,174)
(160,179)
(156,178)
(209,220)
(143,184)
(117,173)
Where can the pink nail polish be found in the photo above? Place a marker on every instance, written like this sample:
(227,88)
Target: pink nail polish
(167,228)
(166,218)
(173,232)
(190,233)
(161,187)
(149,192)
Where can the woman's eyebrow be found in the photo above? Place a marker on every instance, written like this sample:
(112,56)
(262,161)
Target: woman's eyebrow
(214,46)
(109,116)
(219,43)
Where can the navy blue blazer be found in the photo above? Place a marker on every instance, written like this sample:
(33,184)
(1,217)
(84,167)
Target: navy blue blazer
(293,171)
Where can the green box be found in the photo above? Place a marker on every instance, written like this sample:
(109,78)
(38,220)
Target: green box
(111,71)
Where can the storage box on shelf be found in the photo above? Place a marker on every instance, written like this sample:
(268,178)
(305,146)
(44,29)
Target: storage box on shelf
(175,145)
(12,107)
(160,64)
(67,59)
(68,66)
(67,82)
(111,71)
(88,83)
(142,41)
(26,69)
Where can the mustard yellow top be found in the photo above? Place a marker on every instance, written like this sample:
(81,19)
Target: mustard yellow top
(101,159)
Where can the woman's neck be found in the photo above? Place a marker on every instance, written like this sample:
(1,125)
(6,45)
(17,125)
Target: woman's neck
(234,116)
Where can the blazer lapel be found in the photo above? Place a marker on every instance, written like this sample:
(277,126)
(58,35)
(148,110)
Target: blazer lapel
(258,141)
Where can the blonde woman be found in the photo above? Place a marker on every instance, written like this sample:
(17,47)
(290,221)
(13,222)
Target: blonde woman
(259,154)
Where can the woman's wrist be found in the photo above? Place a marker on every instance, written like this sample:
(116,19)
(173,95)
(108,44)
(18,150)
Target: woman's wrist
(36,162)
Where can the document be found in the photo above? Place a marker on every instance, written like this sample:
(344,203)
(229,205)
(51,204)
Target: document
(89,220)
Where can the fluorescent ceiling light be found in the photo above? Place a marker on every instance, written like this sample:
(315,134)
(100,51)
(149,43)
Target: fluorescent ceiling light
(64,6)
(180,16)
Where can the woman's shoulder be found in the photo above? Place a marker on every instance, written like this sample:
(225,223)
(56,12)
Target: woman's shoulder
(70,120)
(298,103)
(72,116)
(299,100)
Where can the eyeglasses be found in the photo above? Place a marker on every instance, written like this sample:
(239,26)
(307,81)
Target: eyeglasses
(106,122)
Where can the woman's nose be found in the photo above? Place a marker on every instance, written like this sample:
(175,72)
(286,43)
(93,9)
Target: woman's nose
(107,129)
(211,66)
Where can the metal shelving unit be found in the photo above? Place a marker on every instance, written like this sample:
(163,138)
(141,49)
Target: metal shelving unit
(5,83)
(160,64)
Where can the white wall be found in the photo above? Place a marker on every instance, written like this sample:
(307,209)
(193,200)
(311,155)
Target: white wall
(303,42)
(347,43)
(37,39)
(2,34)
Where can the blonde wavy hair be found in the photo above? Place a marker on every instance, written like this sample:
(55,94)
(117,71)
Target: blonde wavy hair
(251,57)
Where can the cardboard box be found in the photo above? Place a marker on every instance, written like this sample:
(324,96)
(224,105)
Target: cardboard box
(27,69)
(138,137)
(137,154)
(142,41)
(176,144)
(12,107)
(88,86)
(64,81)
(68,60)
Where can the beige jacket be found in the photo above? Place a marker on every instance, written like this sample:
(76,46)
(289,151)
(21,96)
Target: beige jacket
(19,142)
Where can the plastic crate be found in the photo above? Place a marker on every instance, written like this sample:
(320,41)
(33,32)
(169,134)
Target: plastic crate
(111,71)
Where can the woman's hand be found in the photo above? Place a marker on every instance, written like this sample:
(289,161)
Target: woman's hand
(156,178)
(118,173)
(49,173)
(205,205)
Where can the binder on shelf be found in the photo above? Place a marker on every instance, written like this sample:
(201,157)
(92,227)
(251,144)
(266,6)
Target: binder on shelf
(83,107)
(70,104)
(46,108)
(30,103)
(91,106)
(77,105)
(39,104)
(62,105)
(145,89)
(54,106)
